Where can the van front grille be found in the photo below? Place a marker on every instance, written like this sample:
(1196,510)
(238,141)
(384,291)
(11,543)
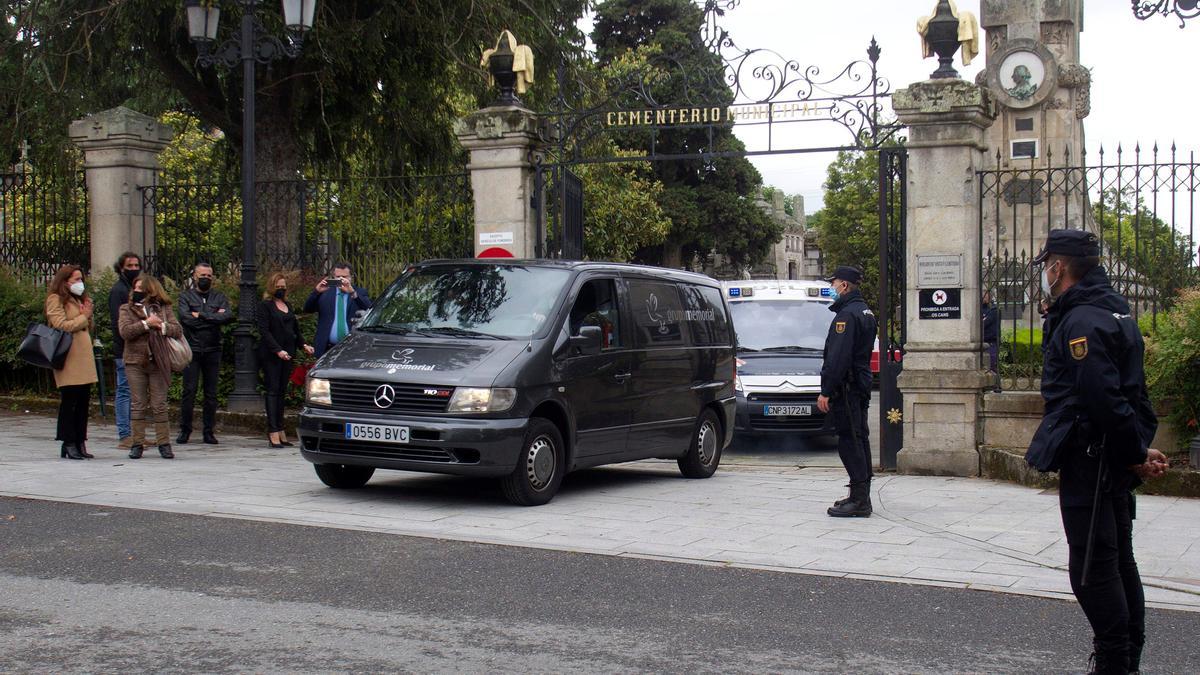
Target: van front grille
(354,395)
(384,451)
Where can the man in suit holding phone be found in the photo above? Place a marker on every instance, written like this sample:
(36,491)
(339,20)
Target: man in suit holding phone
(336,300)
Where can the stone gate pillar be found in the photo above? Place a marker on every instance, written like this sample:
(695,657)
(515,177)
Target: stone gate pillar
(501,141)
(120,153)
(942,380)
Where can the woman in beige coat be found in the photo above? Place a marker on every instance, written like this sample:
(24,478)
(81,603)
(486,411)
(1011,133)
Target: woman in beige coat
(145,322)
(69,309)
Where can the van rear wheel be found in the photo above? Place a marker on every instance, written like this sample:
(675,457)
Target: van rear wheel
(344,476)
(540,466)
(704,455)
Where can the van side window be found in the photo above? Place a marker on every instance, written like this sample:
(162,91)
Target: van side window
(658,313)
(705,315)
(596,305)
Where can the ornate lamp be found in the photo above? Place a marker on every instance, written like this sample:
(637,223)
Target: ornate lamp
(298,17)
(1184,9)
(202,18)
(942,37)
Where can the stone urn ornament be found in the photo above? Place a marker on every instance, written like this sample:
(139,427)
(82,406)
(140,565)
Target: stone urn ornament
(509,67)
(943,32)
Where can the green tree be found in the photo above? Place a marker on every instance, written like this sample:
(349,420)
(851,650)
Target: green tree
(379,81)
(848,225)
(1146,257)
(710,204)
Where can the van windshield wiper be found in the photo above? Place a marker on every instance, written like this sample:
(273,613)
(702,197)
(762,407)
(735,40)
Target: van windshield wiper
(796,349)
(385,328)
(463,332)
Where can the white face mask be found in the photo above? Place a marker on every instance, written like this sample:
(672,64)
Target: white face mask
(77,288)
(1047,287)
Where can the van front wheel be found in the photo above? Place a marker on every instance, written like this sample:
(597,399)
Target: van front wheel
(540,466)
(704,455)
(344,476)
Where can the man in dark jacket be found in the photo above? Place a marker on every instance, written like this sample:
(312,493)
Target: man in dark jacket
(1096,432)
(335,304)
(846,387)
(128,267)
(202,312)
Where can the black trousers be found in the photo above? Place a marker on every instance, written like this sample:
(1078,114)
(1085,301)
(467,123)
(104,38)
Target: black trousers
(276,373)
(73,413)
(850,420)
(206,366)
(1112,601)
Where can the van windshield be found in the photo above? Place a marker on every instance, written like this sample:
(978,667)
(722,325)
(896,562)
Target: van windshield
(780,324)
(473,301)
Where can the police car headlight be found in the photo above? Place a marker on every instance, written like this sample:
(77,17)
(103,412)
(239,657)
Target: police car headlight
(316,391)
(471,399)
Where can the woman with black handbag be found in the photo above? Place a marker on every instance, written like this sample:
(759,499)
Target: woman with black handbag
(69,309)
(145,323)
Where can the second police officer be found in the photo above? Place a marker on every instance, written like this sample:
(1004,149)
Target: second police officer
(846,387)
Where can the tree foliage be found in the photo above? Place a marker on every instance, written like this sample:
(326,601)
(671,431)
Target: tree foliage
(1146,255)
(378,82)
(710,204)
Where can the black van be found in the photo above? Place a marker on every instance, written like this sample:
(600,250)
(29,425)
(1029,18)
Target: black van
(525,370)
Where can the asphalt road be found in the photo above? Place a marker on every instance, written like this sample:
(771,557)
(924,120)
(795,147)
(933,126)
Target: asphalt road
(89,589)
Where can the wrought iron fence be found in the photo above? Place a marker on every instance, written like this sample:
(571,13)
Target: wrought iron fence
(1142,207)
(377,224)
(43,223)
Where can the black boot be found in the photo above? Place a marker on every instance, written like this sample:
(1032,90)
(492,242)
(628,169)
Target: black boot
(1109,661)
(210,438)
(184,435)
(843,500)
(135,452)
(165,451)
(858,504)
(1135,654)
(71,451)
(83,451)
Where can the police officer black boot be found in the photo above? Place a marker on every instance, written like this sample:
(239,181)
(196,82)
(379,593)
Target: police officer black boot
(1108,661)
(1135,654)
(843,500)
(858,505)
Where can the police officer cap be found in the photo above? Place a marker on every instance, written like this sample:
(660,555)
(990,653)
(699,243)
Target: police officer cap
(846,273)
(1073,243)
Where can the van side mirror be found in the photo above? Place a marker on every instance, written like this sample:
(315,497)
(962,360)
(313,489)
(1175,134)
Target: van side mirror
(588,340)
(358,315)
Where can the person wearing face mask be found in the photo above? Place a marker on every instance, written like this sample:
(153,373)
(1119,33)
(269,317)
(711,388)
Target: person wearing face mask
(279,340)
(146,322)
(1096,432)
(846,387)
(128,267)
(202,313)
(68,308)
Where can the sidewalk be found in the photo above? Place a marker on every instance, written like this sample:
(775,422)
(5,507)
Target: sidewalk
(956,532)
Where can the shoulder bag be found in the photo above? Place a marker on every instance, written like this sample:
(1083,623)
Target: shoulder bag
(45,347)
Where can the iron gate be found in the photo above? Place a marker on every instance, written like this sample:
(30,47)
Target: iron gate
(893,282)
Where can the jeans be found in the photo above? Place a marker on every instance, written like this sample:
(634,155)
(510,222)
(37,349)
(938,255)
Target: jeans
(206,366)
(121,404)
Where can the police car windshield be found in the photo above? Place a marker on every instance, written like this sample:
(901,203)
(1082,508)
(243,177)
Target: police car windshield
(774,324)
(471,301)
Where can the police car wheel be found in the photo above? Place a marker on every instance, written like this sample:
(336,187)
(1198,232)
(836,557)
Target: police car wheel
(704,454)
(344,476)
(540,466)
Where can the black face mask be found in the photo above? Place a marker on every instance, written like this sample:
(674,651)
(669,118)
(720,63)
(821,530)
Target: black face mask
(280,293)
(137,296)
(131,275)
(204,283)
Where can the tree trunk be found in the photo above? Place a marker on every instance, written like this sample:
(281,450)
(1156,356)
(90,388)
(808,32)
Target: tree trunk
(281,196)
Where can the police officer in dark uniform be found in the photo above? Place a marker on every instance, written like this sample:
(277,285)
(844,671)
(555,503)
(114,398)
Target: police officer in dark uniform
(846,387)
(1096,433)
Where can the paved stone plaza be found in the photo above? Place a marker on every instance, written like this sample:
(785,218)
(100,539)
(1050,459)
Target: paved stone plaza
(956,532)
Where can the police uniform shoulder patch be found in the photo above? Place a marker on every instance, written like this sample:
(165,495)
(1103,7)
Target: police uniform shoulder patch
(839,326)
(1078,348)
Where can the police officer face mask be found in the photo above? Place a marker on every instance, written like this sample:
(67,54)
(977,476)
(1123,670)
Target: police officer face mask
(833,292)
(1047,286)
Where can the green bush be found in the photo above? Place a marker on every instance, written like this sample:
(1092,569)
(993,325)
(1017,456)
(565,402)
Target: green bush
(1021,352)
(21,304)
(1173,364)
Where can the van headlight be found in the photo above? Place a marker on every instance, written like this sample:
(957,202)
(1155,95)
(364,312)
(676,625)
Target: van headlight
(472,399)
(316,391)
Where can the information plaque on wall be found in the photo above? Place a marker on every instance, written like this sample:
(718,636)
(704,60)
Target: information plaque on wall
(939,271)
(939,303)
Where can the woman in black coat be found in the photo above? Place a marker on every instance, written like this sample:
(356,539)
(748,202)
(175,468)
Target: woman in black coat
(279,340)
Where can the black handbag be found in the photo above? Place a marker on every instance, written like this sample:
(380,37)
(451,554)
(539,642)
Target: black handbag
(45,347)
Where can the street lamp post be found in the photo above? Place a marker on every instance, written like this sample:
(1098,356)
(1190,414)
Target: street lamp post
(1182,9)
(253,45)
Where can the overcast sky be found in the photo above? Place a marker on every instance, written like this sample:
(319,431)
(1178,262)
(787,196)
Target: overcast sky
(1143,72)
